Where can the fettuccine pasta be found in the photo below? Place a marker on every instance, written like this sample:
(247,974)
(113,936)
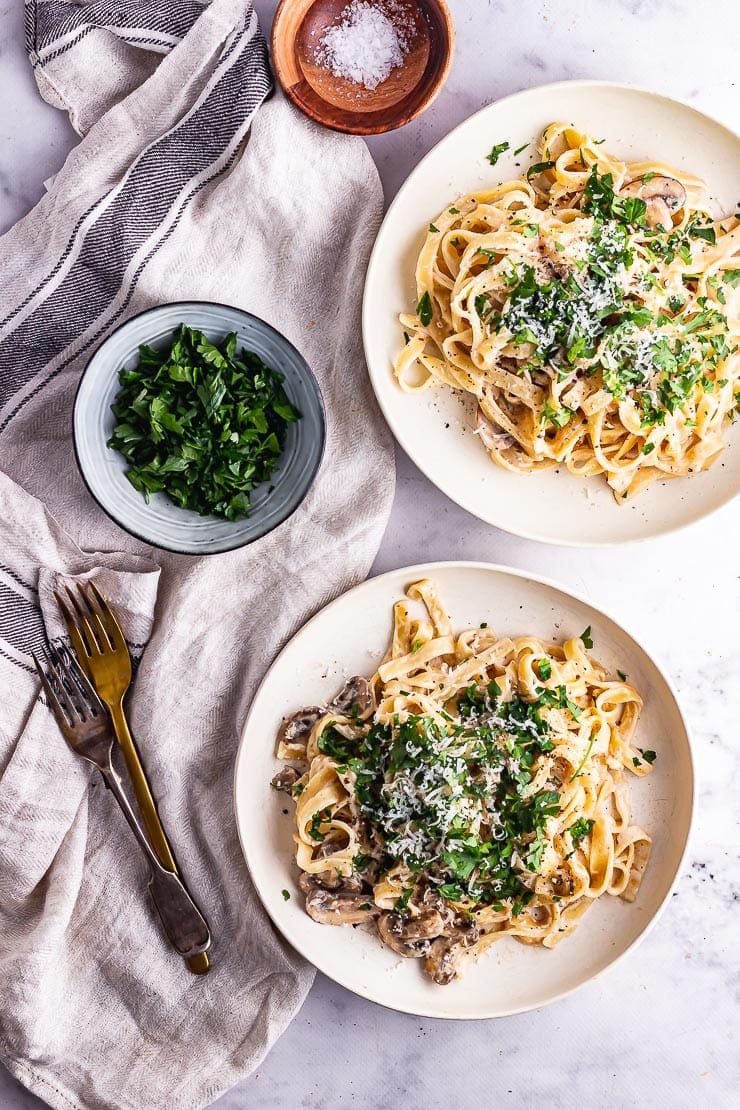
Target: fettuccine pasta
(474,788)
(591,309)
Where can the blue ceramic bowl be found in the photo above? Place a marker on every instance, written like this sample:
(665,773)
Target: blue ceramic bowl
(162,523)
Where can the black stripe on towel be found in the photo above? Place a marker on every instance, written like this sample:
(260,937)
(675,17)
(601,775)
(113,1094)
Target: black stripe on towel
(155,192)
(47,24)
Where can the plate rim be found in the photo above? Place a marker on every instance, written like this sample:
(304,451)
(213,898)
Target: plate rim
(366,324)
(227,546)
(426,569)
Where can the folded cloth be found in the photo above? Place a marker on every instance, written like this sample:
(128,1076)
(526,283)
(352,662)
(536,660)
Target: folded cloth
(178,190)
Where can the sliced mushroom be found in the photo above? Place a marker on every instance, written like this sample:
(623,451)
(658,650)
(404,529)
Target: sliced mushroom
(299,725)
(354,697)
(464,931)
(285,780)
(330,880)
(424,926)
(491,436)
(393,932)
(442,960)
(336,907)
(562,882)
(540,914)
(333,879)
(663,196)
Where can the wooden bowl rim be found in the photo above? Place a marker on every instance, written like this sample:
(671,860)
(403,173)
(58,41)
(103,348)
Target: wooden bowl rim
(363,124)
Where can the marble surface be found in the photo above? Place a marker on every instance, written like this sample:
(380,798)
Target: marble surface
(661,1030)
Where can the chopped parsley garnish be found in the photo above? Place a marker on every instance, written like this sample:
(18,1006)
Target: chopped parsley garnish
(601,200)
(452,797)
(433,228)
(622,675)
(317,821)
(519,149)
(497,151)
(586,638)
(538,167)
(544,669)
(424,309)
(583,320)
(580,829)
(732,277)
(286,895)
(201,422)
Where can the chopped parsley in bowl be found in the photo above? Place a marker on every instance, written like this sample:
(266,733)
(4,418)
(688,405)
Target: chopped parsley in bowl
(198,427)
(203,422)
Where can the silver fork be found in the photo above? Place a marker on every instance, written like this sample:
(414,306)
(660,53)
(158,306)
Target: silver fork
(84,724)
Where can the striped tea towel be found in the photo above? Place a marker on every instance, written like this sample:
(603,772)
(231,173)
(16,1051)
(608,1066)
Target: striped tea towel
(186,185)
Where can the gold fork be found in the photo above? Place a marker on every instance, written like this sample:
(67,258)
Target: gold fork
(104,656)
(86,728)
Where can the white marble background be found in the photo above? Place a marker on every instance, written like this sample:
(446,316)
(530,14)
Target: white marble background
(660,1031)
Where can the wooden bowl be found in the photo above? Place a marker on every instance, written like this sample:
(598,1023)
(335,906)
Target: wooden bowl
(342,104)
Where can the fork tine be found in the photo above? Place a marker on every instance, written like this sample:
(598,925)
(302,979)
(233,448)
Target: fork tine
(75,673)
(83,625)
(75,635)
(54,703)
(62,693)
(100,635)
(103,613)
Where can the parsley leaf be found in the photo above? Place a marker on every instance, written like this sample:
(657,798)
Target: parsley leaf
(538,167)
(424,309)
(544,668)
(580,829)
(586,638)
(497,151)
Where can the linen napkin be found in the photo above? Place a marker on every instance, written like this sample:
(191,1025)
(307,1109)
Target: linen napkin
(183,187)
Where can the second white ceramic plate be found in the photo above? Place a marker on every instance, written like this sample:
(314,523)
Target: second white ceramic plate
(434,427)
(350,637)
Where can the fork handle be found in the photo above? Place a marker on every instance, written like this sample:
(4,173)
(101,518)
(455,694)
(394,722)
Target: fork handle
(200,963)
(183,922)
(144,798)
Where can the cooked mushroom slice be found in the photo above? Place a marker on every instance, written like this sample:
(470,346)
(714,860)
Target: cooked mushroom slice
(442,961)
(286,779)
(492,437)
(354,697)
(562,882)
(464,931)
(337,907)
(299,725)
(334,881)
(392,930)
(426,925)
(541,914)
(662,195)
(330,880)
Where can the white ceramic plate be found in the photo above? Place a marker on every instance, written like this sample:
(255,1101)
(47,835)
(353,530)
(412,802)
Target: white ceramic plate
(434,428)
(510,977)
